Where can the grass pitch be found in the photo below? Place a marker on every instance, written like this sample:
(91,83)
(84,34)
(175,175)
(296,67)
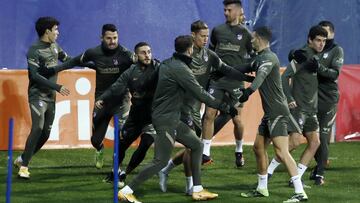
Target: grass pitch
(70,176)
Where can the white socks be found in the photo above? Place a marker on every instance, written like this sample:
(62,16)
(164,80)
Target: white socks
(272,166)
(126,190)
(189,183)
(297,184)
(207,145)
(301,169)
(239,144)
(197,188)
(168,167)
(262,181)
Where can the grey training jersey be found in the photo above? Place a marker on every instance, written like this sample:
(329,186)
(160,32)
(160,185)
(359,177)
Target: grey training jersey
(233,45)
(43,54)
(268,81)
(304,90)
(332,59)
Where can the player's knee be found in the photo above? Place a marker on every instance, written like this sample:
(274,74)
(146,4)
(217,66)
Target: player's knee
(314,143)
(37,130)
(210,115)
(294,141)
(257,149)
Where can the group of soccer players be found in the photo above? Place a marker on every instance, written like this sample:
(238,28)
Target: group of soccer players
(166,98)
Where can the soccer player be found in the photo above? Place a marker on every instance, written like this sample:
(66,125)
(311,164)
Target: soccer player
(303,96)
(204,63)
(232,43)
(274,123)
(140,79)
(110,60)
(175,79)
(42,90)
(332,59)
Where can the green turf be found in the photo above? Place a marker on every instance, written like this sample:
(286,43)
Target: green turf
(69,176)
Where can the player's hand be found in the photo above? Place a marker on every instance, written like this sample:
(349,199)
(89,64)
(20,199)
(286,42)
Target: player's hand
(292,105)
(298,55)
(313,64)
(249,78)
(245,96)
(64,91)
(99,104)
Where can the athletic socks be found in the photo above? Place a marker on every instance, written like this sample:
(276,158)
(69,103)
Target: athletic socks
(207,145)
(297,184)
(126,190)
(189,183)
(301,168)
(239,146)
(168,167)
(272,166)
(262,181)
(197,188)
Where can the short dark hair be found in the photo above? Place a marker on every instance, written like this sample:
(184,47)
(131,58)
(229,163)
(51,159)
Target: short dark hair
(45,23)
(182,43)
(317,30)
(140,44)
(264,32)
(227,2)
(108,27)
(329,24)
(198,25)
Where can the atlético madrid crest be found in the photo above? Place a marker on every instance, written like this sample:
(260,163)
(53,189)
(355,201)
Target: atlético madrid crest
(239,36)
(115,61)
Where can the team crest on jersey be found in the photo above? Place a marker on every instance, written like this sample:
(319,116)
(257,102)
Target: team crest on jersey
(326,55)
(211,91)
(239,36)
(41,104)
(189,122)
(301,121)
(115,61)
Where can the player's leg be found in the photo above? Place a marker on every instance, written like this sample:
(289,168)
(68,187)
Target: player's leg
(48,121)
(233,98)
(326,115)
(101,119)
(312,136)
(37,110)
(163,144)
(147,139)
(282,151)
(188,138)
(172,163)
(295,128)
(238,134)
(259,149)
(208,125)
